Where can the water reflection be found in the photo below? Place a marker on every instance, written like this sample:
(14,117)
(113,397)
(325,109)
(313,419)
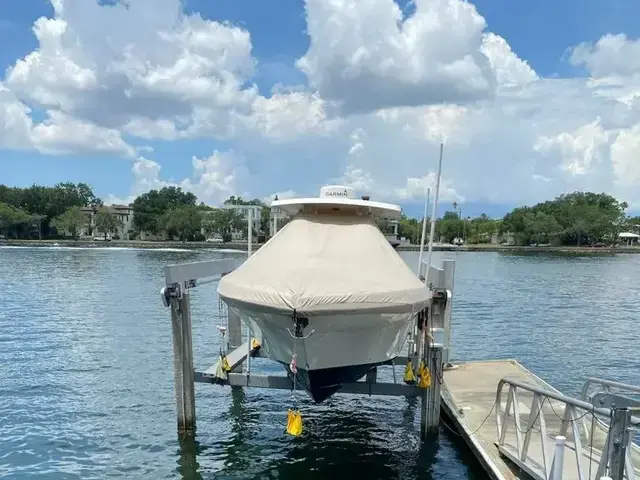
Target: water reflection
(409,413)
(231,452)
(345,437)
(342,437)
(244,418)
(346,443)
(188,451)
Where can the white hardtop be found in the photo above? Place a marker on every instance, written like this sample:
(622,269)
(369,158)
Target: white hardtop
(339,198)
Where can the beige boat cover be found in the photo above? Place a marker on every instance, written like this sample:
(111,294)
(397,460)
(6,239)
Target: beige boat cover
(322,264)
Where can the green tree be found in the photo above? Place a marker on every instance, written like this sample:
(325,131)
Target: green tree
(481,229)
(107,222)
(265,213)
(49,202)
(74,195)
(580,218)
(410,229)
(631,224)
(36,220)
(182,221)
(449,226)
(233,200)
(11,195)
(12,219)
(149,208)
(541,228)
(70,221)
(265,218)
(223,221)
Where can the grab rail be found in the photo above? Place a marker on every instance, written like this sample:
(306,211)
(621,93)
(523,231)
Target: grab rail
(607,391)
(544,470)
(607,386)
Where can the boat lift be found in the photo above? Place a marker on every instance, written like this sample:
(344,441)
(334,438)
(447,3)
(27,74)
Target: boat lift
(181,280)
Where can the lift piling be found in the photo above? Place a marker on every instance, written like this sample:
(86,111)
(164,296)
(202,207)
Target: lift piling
(183,361)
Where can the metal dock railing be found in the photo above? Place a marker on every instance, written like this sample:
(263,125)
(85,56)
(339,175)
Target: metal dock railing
(521,427)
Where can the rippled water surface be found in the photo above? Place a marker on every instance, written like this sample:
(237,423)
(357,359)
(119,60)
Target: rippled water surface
(86,384)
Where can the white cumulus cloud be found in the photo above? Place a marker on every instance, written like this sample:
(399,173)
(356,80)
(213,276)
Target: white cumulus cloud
(213,179)
(581,150)
(365,56)
(611,55)
(384,89)
(146,60)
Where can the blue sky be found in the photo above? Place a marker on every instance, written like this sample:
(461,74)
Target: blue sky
(539,34)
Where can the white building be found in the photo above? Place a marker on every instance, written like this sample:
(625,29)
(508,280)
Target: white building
(390,231)
(256,217)
(124,213)
(277,219)
(630,239)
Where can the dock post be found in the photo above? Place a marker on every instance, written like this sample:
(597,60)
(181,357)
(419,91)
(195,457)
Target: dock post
(184,377)
(435,368)
(430,405)
(619,432)
(449,267)
(557,466)
(432,356)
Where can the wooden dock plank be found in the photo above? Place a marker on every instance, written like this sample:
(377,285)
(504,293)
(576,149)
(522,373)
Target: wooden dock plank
(469,397)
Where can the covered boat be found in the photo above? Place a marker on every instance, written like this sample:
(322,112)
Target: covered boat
(330,289)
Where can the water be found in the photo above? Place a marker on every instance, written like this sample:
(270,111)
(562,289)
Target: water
(86,385)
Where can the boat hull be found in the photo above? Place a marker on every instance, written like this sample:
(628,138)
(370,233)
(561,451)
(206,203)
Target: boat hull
(333,349)
(322,384)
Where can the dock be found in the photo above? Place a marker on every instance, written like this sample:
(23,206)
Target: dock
(489,404)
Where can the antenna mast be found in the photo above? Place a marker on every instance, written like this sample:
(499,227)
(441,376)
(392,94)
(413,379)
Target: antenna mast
(433,217)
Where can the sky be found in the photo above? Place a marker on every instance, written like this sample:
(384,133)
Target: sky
(253,98)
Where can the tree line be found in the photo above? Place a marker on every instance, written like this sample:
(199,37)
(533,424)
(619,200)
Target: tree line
(176,213)
(578,218)
(39,211)
(51,212)
(451,227)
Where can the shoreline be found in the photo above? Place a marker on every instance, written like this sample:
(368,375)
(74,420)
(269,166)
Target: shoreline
(567,249)
(242,246)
